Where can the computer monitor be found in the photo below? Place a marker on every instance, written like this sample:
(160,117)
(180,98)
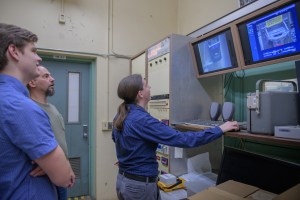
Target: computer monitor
(272,35)
(214,53)
(261,171)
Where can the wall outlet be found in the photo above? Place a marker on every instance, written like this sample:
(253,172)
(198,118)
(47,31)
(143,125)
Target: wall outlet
(62,18)
(107,126)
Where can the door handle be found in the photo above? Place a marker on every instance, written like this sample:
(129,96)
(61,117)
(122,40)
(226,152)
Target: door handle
(85,131)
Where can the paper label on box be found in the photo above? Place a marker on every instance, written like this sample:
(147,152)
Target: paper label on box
(178,152)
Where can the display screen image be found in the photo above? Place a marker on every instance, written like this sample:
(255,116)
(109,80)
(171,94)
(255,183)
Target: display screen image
(273,35)
(215,53)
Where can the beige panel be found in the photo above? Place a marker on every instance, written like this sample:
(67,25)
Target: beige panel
(138,65)
(159,75)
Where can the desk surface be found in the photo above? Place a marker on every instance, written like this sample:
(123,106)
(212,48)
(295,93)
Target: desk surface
(243,135)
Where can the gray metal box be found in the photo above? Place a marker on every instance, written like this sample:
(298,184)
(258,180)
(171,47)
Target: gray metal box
(276,109)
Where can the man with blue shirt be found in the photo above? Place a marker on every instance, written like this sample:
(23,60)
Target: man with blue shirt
(26,137)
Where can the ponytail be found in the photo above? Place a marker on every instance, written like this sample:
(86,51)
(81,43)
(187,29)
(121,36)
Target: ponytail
(123,110)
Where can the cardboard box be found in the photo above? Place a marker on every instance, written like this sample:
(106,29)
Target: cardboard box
(232,190)
(290,194)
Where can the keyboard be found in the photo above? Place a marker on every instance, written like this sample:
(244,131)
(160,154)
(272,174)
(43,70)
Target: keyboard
(209,123)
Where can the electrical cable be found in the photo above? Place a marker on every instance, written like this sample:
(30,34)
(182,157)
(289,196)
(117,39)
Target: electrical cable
(227,85)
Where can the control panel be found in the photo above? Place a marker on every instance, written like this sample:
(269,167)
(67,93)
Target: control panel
(159,69)
(159,49)
(159,80)
(159,108)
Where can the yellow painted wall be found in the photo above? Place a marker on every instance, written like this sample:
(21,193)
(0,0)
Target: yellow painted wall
(194,14)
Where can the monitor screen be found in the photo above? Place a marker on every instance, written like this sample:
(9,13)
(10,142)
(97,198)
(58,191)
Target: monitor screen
(215,53)
(273,35)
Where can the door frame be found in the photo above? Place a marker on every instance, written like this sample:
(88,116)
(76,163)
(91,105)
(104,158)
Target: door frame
(53,55)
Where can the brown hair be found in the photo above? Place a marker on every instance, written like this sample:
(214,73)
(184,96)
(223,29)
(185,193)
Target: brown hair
(11,34)
(127,90)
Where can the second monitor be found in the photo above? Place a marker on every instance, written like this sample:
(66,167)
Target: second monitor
(214,53)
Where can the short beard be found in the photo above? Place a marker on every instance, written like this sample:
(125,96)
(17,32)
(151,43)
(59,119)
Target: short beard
(49,92)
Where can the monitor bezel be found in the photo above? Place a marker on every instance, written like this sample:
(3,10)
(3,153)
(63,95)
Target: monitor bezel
(257,14)
(233,51)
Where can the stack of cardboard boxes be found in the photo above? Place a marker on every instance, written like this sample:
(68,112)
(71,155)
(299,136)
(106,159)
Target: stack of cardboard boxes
(232,190)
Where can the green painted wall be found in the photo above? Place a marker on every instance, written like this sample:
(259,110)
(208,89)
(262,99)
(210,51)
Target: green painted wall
(282,152)
(236,90)
(241,83)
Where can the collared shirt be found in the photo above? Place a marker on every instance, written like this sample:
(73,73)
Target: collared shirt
(136,144)
(25,135)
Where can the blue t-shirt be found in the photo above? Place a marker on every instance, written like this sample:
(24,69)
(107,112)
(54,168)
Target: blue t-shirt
(136,144)
(25,135)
